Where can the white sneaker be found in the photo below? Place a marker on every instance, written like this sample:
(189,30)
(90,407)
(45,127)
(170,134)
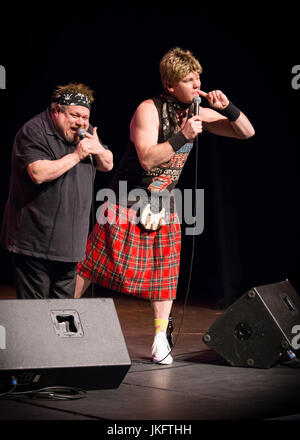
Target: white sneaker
(161,349)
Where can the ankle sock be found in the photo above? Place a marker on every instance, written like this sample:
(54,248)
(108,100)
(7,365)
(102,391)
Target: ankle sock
(160,325)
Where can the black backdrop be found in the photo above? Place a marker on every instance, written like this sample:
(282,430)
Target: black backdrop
(251,232)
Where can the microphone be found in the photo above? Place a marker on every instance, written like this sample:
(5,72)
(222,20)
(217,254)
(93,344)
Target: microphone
(197,101)
(81,133)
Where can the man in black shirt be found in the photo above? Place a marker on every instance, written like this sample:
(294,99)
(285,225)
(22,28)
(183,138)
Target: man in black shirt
(46,218)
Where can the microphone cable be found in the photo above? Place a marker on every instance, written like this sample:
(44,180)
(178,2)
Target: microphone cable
(81,132)
(93,222)
(197,101)
(192,260)
(93,228)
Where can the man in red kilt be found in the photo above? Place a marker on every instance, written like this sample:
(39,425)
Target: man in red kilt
(135,246)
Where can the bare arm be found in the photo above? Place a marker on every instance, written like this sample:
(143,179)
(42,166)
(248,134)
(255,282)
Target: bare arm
(215,123)
(104,160)
(44,170)
(92,145)
(144,130)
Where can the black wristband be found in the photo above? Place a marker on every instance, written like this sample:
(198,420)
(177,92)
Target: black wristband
(177,140)
(231,112)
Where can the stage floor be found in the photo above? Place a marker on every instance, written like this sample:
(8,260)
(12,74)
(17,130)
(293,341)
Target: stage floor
(198,386)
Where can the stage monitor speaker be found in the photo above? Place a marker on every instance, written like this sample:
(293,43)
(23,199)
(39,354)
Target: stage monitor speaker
(61,342)
(258,329)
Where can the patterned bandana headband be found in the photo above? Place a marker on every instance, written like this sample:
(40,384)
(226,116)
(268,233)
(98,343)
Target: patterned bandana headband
(73,99)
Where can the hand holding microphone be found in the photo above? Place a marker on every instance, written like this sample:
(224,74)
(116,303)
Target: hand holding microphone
(81,133)
(90,144)
(193,125)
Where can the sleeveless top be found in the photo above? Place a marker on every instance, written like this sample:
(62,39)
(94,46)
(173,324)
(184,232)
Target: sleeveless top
(157,182)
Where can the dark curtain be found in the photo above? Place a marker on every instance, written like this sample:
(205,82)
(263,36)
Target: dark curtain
(251,228)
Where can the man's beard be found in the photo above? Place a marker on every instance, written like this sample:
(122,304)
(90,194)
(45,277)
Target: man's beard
(72,138)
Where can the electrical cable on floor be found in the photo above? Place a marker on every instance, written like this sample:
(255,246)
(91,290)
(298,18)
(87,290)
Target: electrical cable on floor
(38,404)
(47,393)
(13,387)
(53,393)
(293,360)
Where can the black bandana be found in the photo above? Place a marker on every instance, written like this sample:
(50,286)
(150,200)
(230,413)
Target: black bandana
(169,119)
(72,99)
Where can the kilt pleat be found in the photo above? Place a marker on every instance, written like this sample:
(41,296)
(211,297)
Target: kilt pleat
(132,261)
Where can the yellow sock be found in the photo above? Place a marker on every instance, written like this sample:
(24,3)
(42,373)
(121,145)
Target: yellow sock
(160,325)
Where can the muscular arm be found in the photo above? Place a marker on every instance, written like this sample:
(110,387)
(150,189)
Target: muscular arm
(215,123)
(144,130)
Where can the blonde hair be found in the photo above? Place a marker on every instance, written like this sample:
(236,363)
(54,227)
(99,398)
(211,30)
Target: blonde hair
(176,64)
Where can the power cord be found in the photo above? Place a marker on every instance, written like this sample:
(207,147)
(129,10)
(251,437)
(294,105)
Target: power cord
(291,359)
(47,393)
(51,393)
(14,386)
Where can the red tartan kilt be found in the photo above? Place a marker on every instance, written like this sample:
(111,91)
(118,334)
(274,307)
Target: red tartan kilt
(132,261)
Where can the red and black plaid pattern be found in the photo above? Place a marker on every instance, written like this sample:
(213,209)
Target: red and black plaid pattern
(129,260)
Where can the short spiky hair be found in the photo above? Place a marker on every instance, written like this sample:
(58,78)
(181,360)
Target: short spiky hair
(176,64)
(74,88)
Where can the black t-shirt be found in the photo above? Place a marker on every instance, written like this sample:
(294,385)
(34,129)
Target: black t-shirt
(50,220)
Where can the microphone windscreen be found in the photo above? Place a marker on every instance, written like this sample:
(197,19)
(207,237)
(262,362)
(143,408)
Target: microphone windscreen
(81,133)
(197,101)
